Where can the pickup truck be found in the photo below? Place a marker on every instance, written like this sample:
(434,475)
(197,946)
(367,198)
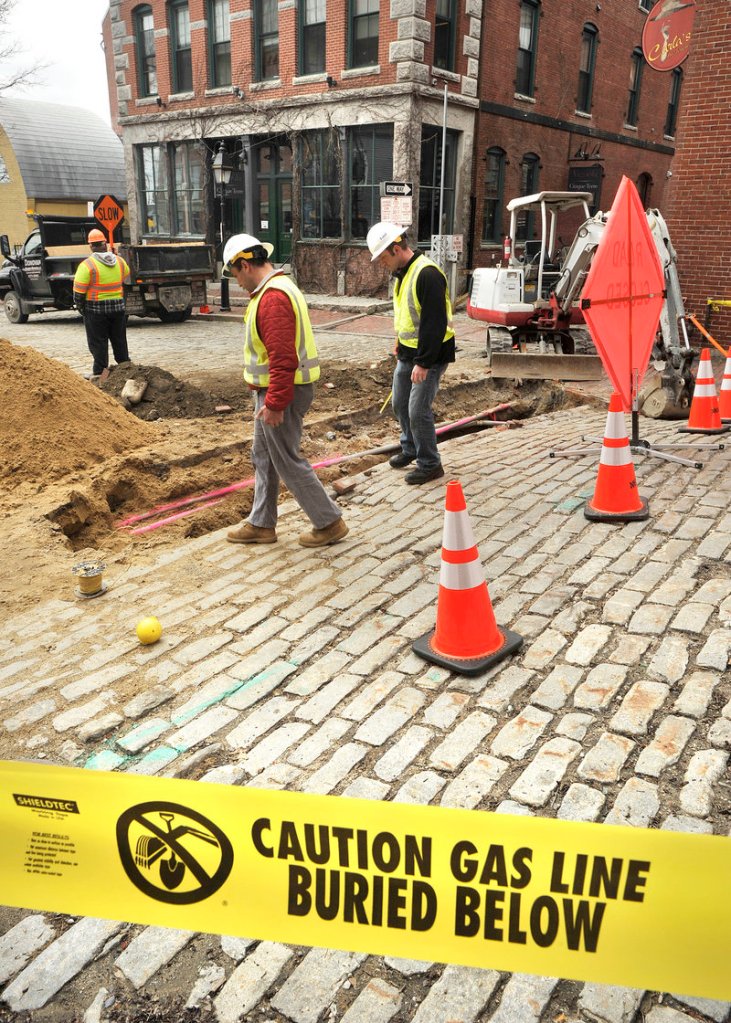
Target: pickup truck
(165,280)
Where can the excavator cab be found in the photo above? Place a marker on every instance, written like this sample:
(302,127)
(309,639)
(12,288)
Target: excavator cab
(519,294)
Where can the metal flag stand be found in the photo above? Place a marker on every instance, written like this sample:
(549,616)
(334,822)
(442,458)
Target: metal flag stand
(643,447)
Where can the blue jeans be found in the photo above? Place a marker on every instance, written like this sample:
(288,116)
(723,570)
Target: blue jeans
(412,406)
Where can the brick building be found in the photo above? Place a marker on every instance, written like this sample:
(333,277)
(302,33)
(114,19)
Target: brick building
(698,203)
(316,102)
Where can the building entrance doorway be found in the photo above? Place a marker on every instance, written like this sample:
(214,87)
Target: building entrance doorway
(273,202)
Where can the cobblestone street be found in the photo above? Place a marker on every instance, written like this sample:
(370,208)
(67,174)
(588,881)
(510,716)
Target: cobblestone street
(287,668)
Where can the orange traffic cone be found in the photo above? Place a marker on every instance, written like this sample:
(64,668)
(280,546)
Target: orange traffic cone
(724,397)
(616,498)
(705,415)
(466,639)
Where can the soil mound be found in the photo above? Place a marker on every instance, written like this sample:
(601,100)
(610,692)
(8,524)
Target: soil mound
(53,422)
(165,396)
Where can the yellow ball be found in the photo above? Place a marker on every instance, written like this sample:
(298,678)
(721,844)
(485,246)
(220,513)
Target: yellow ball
(148,631)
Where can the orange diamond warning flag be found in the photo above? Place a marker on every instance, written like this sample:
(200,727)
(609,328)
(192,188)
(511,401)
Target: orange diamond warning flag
(624,294)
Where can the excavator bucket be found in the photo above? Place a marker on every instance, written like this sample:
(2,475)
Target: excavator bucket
(527,366)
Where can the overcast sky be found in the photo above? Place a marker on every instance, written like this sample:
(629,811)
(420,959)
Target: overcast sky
(66,35)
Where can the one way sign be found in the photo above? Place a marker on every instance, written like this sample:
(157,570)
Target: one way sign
(397,188)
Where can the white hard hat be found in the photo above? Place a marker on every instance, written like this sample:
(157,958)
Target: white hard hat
(381,236)
(244,246)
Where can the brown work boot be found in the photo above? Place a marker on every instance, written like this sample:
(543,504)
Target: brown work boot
(321,537)
(246,533)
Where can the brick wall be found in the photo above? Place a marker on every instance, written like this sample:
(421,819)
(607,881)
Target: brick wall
(549,126)
(699,193)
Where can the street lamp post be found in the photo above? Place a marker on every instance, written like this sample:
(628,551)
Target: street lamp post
(222,175)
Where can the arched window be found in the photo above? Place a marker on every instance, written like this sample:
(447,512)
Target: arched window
(644,187)
(492,220)
(181,60)
(219,42)
(676,84)
(527,47)
(530,167)
(145,51)
(587,60)
(635,84)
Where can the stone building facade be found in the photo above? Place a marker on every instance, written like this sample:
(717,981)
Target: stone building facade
(316,103)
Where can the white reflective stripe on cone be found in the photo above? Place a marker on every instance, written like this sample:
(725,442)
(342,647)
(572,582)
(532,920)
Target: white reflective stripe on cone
(616,428)
(704,390)
(458,535)
(461,577)
(726,384)
(616,456)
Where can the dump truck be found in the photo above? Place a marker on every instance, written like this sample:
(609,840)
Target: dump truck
(166,280)
(536,297)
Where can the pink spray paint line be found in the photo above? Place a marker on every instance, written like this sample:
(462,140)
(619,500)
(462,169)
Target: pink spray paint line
(184,501)
(178,515)
(242,484)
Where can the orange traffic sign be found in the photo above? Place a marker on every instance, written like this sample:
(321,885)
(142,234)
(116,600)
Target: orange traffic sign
(108,211)
(624,294)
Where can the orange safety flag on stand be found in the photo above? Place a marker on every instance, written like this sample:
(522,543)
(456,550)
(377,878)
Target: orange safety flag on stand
(624,294)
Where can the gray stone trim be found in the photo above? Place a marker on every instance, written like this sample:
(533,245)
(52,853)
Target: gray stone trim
(449,76)
(471,47)
(118,29)
(121,60)
(274,83)
(309,79)
(408,8)
(406,49)
(242,15)
(196,25)
(410,71)
(146,101)
(161,33)
(469,87)
(473,67)
(414,28)
(475,27)
(359,72)
(124,92)
(179,97)
(286,5)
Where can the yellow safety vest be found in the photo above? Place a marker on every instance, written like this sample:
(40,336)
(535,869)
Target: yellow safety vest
(407,308)
(256,357)
(99,282)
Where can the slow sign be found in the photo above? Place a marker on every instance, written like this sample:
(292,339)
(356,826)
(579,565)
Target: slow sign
(108,211)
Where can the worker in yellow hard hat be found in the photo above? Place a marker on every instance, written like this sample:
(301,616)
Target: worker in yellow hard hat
(99,297)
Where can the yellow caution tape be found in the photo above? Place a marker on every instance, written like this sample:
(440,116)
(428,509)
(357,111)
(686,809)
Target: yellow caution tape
(617,905)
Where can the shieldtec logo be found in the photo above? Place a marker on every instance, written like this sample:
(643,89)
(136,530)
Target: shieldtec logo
(172,853)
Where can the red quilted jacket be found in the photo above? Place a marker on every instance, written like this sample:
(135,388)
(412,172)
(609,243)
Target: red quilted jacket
(276,324)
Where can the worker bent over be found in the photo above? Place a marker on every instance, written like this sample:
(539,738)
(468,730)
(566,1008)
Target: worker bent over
(99,297)
(424,346)
(281,366)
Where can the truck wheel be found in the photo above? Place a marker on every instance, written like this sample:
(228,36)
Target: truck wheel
(176,317)
(13,309)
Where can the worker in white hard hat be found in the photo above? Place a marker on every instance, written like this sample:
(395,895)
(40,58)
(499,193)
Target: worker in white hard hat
(424,346)
(281,366)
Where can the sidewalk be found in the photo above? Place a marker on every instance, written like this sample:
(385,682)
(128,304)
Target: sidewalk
(282,667)
(344,305)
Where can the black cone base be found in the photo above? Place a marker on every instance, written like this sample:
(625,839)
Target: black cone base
(701,430)
(595,515)
(467,665)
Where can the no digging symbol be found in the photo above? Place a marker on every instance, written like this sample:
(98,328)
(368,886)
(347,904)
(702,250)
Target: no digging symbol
(172,853)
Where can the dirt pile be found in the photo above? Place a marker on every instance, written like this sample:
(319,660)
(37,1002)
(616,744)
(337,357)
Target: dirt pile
(165,396)
(54,423)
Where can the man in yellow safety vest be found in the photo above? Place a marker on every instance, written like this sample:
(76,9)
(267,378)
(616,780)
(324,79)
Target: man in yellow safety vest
(99,297)
(281,366)
(424,346)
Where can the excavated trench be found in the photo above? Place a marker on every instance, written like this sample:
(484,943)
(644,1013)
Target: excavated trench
(199,481)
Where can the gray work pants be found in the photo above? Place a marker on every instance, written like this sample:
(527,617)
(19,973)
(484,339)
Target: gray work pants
(275,455)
